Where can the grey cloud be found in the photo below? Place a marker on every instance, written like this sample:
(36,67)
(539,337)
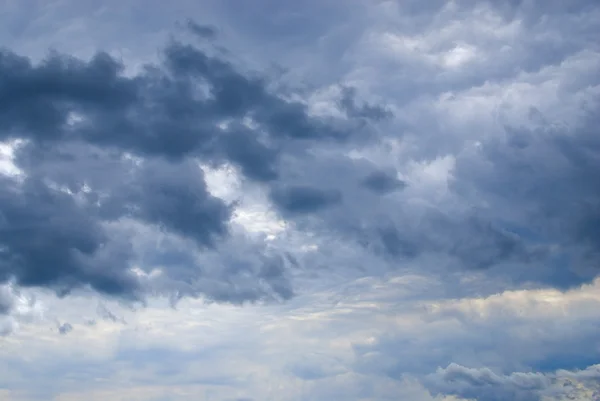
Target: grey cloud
(195,104)
(175,196)
(36,100)
(203,31)
(304,199)
(389,226)
(6,300)
(367,111)
(257,161)
(170,195)
(49,240)
(65,328)
(547,187)
(382,183)
(485,385)
(238,270)
(539,222)
(235,95)
(81,117)
(532,186)
(162,111)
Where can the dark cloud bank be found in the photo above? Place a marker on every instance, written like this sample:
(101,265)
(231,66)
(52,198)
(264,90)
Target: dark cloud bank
(84,127)
(99,147)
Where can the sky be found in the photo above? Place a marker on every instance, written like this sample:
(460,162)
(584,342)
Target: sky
(232,200)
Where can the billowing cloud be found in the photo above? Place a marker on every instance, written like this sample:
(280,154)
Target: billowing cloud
(100,147)
(483,384)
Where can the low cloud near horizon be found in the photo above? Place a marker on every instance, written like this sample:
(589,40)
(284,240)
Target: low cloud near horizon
(319,200)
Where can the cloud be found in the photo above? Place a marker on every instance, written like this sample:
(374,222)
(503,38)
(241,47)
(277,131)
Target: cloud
(104,147)
(151,130)
(483,384)
(65,328)
(368,111)
(16,307)
(173,196)
(299,199)
(382,183)
(48,240)
(100,147)
(408,199)
(202,31)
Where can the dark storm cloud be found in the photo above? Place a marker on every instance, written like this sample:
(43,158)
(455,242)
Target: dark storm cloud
(35,101)
(100,147)
(174,196)
(465,242)
(544,182)
(172,110)
(256,160)
(485,385)
(478,244)
(388,228)
(80,117)
(170,196)
(234,95)
(49,240)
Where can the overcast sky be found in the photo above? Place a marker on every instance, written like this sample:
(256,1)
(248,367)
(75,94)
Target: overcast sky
(268,200)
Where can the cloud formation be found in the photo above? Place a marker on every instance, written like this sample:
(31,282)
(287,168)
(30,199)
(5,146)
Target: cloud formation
(405,206)
(153,129)
(483,384)
(98,147)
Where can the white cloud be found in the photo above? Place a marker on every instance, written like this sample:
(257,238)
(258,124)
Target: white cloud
(7,165)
